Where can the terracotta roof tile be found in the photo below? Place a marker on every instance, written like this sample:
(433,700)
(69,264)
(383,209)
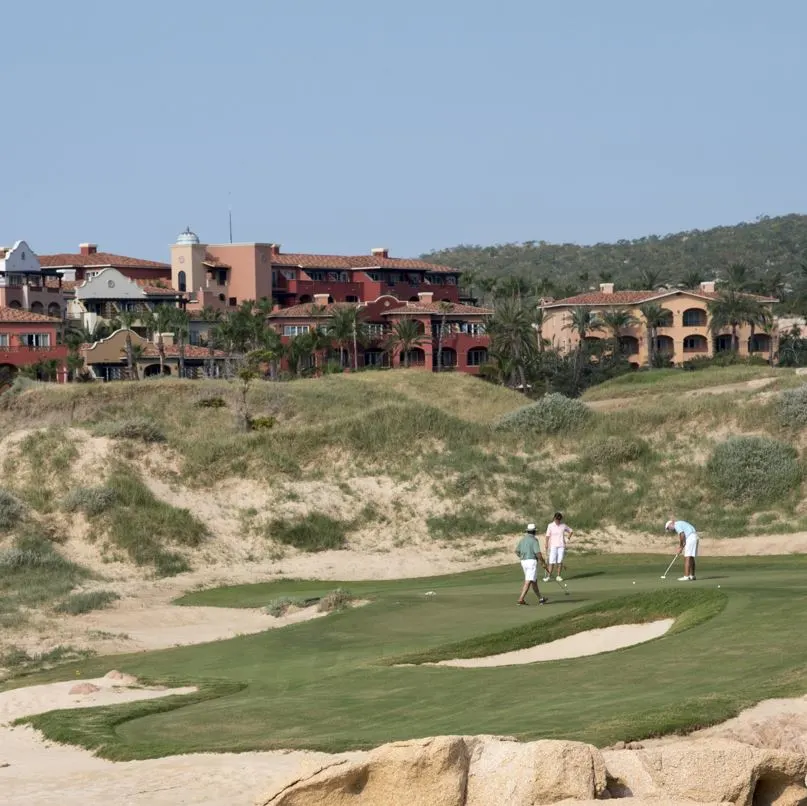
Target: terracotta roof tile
(639,297)
(19,315)
(345,262)
(434,308)
(98,260)
(215,263)
(311,309)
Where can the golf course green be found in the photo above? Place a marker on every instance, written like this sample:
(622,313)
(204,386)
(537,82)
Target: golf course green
(332,684)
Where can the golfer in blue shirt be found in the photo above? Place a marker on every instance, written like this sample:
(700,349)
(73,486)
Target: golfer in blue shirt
(688,541)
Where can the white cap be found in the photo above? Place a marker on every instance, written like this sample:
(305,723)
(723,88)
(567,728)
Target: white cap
(669,525)
(530,527)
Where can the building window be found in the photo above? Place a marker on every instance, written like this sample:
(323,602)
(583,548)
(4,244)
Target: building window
(221,277)
(477,357)
(233,302)
(351,298)
(376,331)
(295,330)
(182,281)
(451,280)
(3,339)
(695,344)
(375,276)
(694,317)
(376,358)
(35,339)
(88,275)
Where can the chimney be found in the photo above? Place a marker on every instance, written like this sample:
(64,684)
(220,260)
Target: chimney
(168,339)
(606,288)
(274,249)
(425,296)
(88,248)
(708,287)
(380,251)
(321,299)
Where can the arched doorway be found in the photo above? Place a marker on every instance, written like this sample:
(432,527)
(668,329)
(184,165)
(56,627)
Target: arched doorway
(477,356)
(724,343)
(376,358)
(14,304)
(696,344)
(761,343)
(305,299)
(449,358)
(416,358)
(414,299)
(628,345)
(54,310)
(665,346)
(37,307)
(153,371)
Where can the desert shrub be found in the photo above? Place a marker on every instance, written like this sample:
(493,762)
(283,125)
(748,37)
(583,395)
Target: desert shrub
(791,407)
(753,469)
(211,403)
(313,532)
(140,428)
(78,603)
(335,600)
(11,511)
(614,451)
(89,500)
(280,606)
(551,414)
(261,423)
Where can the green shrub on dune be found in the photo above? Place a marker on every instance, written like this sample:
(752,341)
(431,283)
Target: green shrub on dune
(552,414)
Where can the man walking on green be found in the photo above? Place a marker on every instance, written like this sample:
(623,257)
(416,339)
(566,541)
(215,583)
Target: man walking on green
(529,552)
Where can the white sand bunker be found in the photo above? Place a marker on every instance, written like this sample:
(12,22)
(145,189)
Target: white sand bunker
(591,642)
(112,689)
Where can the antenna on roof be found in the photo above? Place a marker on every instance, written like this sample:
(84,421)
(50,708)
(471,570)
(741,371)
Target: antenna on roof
(230,208)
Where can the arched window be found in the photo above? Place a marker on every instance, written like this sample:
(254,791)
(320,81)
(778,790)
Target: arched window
(37,307)
(694,317)
(696,344)
(477,356)
(182,281)
(666,319)
(54,309)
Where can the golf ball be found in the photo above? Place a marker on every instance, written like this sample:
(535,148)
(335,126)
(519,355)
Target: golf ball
(718,586)
(634,581)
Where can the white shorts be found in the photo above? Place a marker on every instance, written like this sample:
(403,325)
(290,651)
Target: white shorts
(556,555)
(530,570)
(691,546)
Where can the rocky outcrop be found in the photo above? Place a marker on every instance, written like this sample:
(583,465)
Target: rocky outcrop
(426,772)
(709,771)
(490,771)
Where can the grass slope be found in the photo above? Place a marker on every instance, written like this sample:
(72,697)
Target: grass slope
(327,685)
(414,428)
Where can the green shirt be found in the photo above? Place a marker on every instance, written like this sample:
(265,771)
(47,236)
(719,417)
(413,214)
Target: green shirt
(528,548)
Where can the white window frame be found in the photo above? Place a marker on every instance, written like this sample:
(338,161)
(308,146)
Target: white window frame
(4,340)
(296,330)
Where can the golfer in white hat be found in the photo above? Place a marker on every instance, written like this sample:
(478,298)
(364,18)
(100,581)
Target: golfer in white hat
(688,542)
(529,552)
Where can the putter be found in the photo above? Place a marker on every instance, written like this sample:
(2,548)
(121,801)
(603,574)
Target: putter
(555,579)
(664,575)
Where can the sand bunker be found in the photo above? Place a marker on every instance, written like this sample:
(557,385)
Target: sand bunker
(591,642)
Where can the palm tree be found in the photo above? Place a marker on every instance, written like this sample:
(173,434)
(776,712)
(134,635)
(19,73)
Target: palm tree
(212,316)
(298,351)
(582,321)
(513,338)
(616,320)
(730,310)
(180,322)
(691,279)
(137,352)
(157,322)
(341,327)
(405,336)
(650,278)
(739,277)
(538,320)
(488,286)
(127,320)
(654,316)
(445,309)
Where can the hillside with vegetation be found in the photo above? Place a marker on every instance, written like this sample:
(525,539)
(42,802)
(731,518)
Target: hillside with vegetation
(773,249)
(116,482)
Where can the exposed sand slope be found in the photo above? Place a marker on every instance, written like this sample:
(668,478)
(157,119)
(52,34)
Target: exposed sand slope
(590,642)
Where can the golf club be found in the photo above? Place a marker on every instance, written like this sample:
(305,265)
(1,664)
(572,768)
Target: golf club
(562,584)
(664,575)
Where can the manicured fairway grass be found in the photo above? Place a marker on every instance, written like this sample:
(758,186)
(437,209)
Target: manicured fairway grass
(328,684)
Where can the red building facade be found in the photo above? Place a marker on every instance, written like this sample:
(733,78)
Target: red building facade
(28,338)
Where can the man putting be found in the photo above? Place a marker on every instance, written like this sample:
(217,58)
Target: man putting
(688,542)
(529,552)
(557,533)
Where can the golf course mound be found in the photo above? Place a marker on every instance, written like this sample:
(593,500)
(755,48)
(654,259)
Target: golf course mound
(600,627)
(590,642)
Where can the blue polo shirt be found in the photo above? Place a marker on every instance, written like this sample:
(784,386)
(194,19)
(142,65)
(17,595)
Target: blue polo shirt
(687,528)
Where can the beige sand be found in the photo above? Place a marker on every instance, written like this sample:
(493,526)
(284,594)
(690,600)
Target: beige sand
(590,642)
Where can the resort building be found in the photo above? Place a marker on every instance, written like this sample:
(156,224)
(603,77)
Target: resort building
(88,262)
(684,334)
(28,338)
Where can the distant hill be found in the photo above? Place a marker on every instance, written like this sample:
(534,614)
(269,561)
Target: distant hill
(771,248)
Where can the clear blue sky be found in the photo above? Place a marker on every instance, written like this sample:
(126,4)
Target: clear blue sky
(340,125)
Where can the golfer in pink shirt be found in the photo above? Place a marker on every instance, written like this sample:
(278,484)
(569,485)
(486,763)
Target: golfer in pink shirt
(557,533)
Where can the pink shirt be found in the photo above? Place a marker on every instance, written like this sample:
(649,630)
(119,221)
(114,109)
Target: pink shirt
(556,532)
